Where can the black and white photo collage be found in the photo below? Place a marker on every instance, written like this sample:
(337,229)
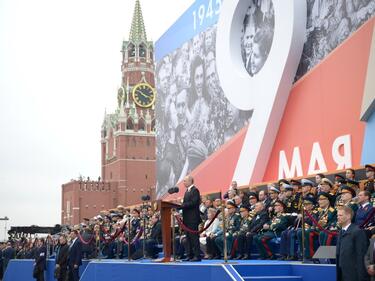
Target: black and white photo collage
(194,118)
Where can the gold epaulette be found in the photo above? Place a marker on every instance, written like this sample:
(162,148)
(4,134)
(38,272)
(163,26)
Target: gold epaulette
(331,209)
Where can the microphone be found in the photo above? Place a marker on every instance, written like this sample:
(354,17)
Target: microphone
(173,190)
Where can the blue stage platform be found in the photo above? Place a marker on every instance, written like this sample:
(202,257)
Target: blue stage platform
(216,270)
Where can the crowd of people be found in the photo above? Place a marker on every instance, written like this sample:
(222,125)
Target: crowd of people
(260,223)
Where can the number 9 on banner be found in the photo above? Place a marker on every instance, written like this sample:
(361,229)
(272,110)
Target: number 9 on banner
(264,90)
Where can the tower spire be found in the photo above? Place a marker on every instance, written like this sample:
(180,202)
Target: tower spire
(137,30)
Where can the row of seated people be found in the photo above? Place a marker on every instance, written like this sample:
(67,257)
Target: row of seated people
(256,222)
(256,218)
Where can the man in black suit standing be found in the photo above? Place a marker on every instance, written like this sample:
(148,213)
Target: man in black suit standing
(40,263)
(351,248)
(75,256)
(370,259)
(62,259)
(191,218)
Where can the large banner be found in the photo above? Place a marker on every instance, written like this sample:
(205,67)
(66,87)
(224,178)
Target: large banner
(198,123)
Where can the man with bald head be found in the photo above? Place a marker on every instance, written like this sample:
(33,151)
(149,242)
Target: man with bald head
(191,218)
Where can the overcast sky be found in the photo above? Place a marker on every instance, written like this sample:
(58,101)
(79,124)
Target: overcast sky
(59,69)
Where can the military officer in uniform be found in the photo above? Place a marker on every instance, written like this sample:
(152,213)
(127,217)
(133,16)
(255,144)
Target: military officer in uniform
(271,230)
(135,228)
(307,187)
(290,199)
(326,186)
(326,218)
(240,235)
(273,193)
(308,206)
(233,225)
(346,199)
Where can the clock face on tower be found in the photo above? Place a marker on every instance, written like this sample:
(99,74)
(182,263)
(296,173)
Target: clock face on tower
(144,95)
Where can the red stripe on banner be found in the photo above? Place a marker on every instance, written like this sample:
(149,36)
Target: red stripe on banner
(326,104)
(216,172)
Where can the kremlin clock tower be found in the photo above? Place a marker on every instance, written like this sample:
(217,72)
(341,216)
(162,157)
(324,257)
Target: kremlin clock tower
(128,155)
(128,135)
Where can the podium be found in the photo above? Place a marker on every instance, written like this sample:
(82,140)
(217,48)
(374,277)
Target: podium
(165,209)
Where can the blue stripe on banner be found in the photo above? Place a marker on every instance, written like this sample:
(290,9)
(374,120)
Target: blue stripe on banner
(368,150)
(201,15)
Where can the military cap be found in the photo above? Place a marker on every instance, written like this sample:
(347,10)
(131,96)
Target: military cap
(274,189)
(306,182)
(288,187)
(295,182)
(283,181)
(339,178)
(231,202)
(327,181)
(348,189)
(369,168)
(324,195)
(253,195)
(271,185)
(309,199)
(245,207)
(281,203)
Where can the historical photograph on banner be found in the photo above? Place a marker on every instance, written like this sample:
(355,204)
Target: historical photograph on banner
(194,118)
(257,35)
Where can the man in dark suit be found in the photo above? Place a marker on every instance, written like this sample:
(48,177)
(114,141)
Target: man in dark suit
(62,259)
(1,261)
(351,248)
(40,264)
(9,253)
(365,208)
(75,256)
(154,238)
(191,218)
(370,259)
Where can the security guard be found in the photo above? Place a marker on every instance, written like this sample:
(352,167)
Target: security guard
(271,230)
